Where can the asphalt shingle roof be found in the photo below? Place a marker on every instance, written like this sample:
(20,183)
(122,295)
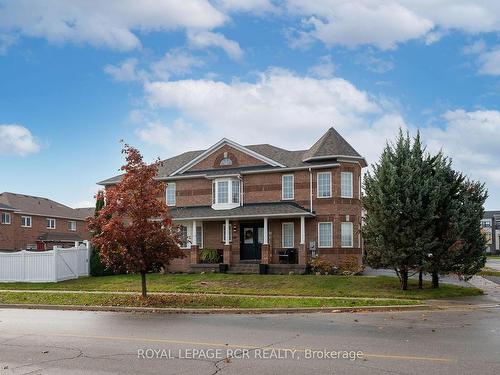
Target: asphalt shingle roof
(248,210)
(330,144)
(38,206)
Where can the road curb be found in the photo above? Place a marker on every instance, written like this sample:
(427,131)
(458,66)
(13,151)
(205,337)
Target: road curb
(164,310)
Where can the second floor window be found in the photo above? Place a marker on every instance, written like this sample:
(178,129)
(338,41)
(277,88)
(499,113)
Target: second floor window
(324,183)
(171,194)
(346,184)
(51,223)
(26,221)
(226,193)
(5,218)
(486,223)
(72,225)
(287,186)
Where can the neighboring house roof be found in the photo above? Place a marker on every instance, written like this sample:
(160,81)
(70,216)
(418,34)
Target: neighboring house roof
(275,209)
(326,150)
(28,204)
(85,212)
(59,237)
(491,214)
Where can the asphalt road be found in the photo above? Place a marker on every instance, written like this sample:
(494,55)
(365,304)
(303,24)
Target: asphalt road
(71,342)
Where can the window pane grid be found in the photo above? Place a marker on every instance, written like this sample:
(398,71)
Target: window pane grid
(346,184)
(325,234)
(287,235)
(346,234)
(222,192)
(171,194)
(324,184)
(235,191)
(287,182)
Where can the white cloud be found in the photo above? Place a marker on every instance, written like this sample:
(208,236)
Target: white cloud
(205,39)
(126,71)
(257,6)
(489,62)
(175,62)
(387,23)
(17,140)
(471,139)
(6,40)
(325,68)
(111,23)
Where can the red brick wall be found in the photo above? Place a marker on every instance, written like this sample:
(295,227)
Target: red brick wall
(238,158)
(15,237)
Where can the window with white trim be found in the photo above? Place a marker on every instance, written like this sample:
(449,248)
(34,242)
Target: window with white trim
(324,184)
(325,234)
(199,236)
(287,235)
(287,190)
(26,221)
(51,223)
(170,194)
(346,234)
(183,229)
(346,184)
(72,225)
(226,193)
(5,218)
(224,233)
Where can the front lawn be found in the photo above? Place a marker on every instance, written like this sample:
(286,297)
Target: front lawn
(287,285)
(188,301)
(489,272)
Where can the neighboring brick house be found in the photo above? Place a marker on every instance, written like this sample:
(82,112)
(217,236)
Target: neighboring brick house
(281,207)
(28,222)
(490,226)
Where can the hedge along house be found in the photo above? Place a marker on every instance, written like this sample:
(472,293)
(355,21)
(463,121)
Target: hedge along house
(261,204)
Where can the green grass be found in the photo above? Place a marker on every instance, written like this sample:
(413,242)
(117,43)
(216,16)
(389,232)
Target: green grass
(493,257)
(187,301)
(287,285)
(489,272)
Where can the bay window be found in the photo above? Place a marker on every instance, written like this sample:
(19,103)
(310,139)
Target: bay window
(325,234)
(324,184)
(346,184)
(346,234)
(226,193)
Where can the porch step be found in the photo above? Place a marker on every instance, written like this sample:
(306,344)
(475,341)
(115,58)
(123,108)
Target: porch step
(246,268)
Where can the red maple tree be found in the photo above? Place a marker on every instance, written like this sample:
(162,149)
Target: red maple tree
(133,230)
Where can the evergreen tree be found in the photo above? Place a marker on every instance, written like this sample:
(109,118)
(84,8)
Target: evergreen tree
(397,200)
(96,266)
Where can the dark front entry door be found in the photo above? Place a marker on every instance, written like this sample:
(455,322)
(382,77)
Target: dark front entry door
(251,241)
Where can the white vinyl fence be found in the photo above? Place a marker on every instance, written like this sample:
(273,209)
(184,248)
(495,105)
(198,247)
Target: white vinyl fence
(45,266)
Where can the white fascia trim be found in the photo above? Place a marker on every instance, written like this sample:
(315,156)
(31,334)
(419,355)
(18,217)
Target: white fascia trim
(337,157)
(217,146)
(307,214)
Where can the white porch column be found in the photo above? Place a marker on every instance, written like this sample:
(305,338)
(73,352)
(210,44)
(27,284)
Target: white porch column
(193,234)
(302,230)
(266,232)
(228,230)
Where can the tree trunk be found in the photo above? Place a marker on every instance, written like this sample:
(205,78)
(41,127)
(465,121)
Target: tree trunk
(420,279)
(143,282)
(435,279)
(403,278)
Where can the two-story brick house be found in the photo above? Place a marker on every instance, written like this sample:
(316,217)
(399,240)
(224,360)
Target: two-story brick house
(264,204)
(28,222)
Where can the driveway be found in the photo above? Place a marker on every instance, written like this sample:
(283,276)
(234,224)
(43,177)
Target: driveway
(459,341)
(493,263)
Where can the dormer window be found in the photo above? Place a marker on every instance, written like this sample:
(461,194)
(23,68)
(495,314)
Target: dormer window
(226,161)
(225,193)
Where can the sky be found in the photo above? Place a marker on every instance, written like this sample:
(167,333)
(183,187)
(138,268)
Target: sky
(166,76)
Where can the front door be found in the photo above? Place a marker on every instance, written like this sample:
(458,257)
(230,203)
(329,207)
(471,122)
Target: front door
(251,236)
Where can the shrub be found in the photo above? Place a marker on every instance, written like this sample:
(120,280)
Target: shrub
(321,265)
(96,266)
(209,256)
(349,265)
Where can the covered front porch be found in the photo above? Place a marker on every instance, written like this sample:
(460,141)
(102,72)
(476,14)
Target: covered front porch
(258,238)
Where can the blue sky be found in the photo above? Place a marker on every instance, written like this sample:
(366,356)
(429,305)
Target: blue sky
(167,76)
